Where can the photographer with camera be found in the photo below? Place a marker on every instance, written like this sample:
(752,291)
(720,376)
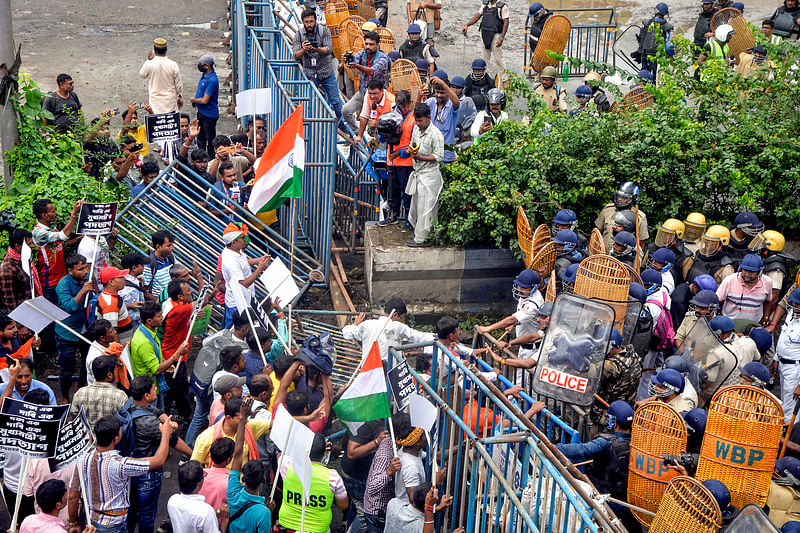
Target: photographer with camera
(371,63)
(312,46)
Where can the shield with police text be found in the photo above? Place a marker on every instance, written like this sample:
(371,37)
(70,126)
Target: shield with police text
(658,431)
(687,507)
(573,350)
(740,444)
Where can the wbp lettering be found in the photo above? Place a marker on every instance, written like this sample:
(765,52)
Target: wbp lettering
(737,454)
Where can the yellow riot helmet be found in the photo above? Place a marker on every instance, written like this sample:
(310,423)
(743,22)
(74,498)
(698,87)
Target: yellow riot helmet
(667,232)
(695,225)
(369,26)
(772,240)
(592,78)
(714,238)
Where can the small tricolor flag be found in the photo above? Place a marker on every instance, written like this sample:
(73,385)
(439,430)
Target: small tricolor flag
(367,397)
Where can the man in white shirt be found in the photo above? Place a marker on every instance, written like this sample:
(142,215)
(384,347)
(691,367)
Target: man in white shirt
(164,84)
(389,332)
(236,268)
(188,511)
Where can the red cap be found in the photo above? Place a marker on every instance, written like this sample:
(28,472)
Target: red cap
(110,272)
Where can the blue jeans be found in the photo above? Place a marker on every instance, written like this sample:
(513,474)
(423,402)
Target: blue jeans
(145,490)
(330,90)
(119,528)
(375,522)
(202,407)
(355,513)
(229,316)
(68,351)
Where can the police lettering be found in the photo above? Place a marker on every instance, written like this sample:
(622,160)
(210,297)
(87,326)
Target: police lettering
(314,500)
(563,380)
(736,454)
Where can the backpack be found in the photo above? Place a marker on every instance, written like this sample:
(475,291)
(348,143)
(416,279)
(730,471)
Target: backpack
(664,331)
(643,333)
(130,412)
(91,309)
(612,477)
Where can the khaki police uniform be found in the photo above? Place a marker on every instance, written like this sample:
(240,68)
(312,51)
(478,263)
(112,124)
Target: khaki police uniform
(605,222)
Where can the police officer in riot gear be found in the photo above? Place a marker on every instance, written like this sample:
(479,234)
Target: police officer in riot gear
(694,227)
(723,497)
(568,279)
(785,19)
(623,247)
(712,258)
(667,386)
(676,362)
(625,198)
(696,425)
(537,16)
(593,79)
(610,454)
(663,261)
(478,83)
(746,225)
(669,234)
(567,219)
(567,252)
(554,96)
(703,305)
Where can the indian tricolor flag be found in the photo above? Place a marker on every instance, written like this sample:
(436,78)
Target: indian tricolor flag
(367,398)
(280,172)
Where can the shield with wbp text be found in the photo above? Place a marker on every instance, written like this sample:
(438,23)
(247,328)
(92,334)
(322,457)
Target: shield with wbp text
(740,444)
(657,430)
(573,350)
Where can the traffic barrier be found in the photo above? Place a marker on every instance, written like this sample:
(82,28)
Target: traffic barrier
(591,40)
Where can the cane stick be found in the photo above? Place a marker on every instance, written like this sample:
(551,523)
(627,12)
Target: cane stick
(602,401)
(22,479)
(789,429)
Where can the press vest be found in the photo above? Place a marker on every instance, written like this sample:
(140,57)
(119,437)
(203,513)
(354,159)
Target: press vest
(320,500)
(718,50)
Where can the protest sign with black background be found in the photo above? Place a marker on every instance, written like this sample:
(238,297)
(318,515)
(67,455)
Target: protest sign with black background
(163,127)
(402,384)
(96,219)
(29,429)
(74,439)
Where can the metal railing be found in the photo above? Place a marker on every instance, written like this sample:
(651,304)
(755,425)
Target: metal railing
(337,193)
(592,40)
(503,472)
(181,201)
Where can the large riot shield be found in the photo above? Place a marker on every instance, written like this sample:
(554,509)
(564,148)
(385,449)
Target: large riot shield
(657,430)
(573,350)
(740,444)
(687,507)
(716,361)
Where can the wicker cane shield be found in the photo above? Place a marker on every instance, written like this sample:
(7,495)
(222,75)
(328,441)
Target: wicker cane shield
(743,38)
(366,9)
(635,99)
(544,260)
(524,236)
(657,429)
(335,13)
(687,507)
(607,279)
(540,237)
(596,245)
(555,35)
(550,294)
(740,445)
(352,6)
(635,277)
(404,76)
(387,39)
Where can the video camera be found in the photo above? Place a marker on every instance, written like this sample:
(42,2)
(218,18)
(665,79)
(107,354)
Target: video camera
(348,57)
(685,460)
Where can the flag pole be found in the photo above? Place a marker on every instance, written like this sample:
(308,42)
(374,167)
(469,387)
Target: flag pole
(91,267)
(22,480)
(280,461)
(358,368)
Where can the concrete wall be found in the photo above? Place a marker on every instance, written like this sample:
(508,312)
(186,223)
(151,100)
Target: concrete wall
(436,279)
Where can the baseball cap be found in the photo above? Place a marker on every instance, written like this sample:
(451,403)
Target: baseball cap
(110,272)
(414,28)
(226,382)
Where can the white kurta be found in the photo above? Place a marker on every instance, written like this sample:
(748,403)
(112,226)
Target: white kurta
(425,183)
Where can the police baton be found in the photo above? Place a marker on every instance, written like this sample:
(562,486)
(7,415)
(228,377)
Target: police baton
(602,401)
(789,429)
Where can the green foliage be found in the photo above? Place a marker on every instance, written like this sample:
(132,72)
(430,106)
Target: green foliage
(717,145)
(47,163)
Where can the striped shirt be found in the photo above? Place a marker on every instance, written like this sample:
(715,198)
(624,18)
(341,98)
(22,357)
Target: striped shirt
(107,479)
(380,487)
(51,254)
(112,308)
(743,302)
(162,278)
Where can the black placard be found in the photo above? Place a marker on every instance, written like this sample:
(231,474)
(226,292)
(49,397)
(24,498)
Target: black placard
(96,219)
(74,439)
(163,127)
(29,429)
(402,384)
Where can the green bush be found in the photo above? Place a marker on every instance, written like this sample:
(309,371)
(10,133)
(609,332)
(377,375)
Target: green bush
(48,164)
(720,145)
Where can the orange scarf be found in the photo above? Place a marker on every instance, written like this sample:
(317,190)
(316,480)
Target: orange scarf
(120,372)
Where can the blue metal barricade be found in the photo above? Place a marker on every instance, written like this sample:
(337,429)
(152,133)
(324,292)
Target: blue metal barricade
(501,477)
(593,34)
(182,202)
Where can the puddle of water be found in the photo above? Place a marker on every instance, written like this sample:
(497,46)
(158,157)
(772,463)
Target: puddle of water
(199,26)
(93,32)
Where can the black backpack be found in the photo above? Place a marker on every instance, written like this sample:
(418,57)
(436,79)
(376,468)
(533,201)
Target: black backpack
(610,474)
